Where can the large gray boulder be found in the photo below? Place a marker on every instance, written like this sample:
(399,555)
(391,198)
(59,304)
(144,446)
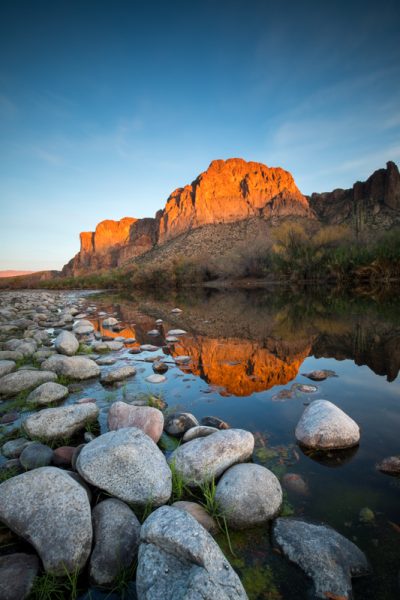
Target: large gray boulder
(148,419)
(323,554)
(208,457)
(66,343)
(116,540)
(17,574)
(324,426)
(62,422)
(47,393)
(178,558)
(75,367)
(20,381)
(51,511)
(128,465)
(248,495)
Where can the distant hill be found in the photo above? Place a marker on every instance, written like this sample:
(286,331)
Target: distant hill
(14,273)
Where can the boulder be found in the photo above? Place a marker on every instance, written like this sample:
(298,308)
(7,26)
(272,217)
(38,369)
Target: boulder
(324,426)
(200,514)
(116,532)
(13,448)
(75,367)
(51,511)
(148,419)
(17,574)
(248,495)
(47,393)
(128,465)
(118,374)
(20,381)
(205,458)
(36,455)
(178,423)
(62,422)
(66,343)
(178,558)
(6,366)
(327,557)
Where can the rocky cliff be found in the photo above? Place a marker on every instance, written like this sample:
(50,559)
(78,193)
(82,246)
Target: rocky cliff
(375,202)
(233,191)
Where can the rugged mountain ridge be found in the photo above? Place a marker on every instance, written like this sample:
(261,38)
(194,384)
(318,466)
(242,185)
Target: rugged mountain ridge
(231,191)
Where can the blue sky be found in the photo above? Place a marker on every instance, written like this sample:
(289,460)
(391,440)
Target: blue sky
(106,107)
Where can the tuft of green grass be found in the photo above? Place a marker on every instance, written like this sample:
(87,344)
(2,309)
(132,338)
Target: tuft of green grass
(179,485)
(93,427)
(52,587)
(64,380)
(125,576)
(6,474)
(19,401)
(210,503)
(27,361)
(84,349)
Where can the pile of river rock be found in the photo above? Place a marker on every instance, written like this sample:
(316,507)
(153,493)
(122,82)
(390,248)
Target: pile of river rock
(76,505)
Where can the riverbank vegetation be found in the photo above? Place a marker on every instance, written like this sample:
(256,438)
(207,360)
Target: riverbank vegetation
(293,252)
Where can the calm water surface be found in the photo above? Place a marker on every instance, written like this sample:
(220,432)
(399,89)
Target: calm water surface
(247,350)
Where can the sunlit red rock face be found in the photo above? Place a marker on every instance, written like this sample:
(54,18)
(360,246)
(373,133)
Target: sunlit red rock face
(242,367)
(232,190)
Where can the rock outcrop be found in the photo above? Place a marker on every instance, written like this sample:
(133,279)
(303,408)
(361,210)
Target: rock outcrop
(234,191)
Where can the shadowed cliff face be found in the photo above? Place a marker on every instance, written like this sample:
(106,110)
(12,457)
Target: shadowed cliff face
(235,191)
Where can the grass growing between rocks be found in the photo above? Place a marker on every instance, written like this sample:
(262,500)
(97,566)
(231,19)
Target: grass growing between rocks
(124,582)
(18,402)
(180,488)
(51,587)
(84,349)
(6,474)
(64,380)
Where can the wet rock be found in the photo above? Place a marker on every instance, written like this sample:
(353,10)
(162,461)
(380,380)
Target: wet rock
(176,311)
(47,393)
(324,426)
(248,495)
(128,465)
(366,515)
(114,346)
(134,350)
(154,332)
(17,574)
(51,511)
(156,378)
(9,417)
(13,448)
(200,514)
(106,360)
(110,322)
(20,381)
(116,540)
(295,483)
(160,367)
(10,355)
(182,359)
(36,455)
(323,554)
(66,343)
(178,556)
(178,423)
(390,464)
(171,339)
(149,420)
(214,422)
(197,432)
(100,347)
(148,348)
(6,366)
(62,456)
(75,367)
(319,375)
(205,458)
(83,327)
(62,422)
(118,374)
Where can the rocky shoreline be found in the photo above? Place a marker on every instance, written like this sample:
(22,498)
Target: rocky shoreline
(101,502)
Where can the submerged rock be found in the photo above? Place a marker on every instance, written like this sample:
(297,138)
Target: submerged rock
(390,464)
(118,374)
(324,426)
(214,422)
(51,511)
(62,422)
(128,465)
(116,540)
(248,495)
(156,378)
(17,574)
(149,420)
(323,554)
(204,458)
(295,483)
(179,559)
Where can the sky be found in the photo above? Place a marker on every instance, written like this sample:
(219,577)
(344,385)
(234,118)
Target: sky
(107,106)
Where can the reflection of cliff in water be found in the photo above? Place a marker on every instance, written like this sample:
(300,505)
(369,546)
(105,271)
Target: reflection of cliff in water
(249,341)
